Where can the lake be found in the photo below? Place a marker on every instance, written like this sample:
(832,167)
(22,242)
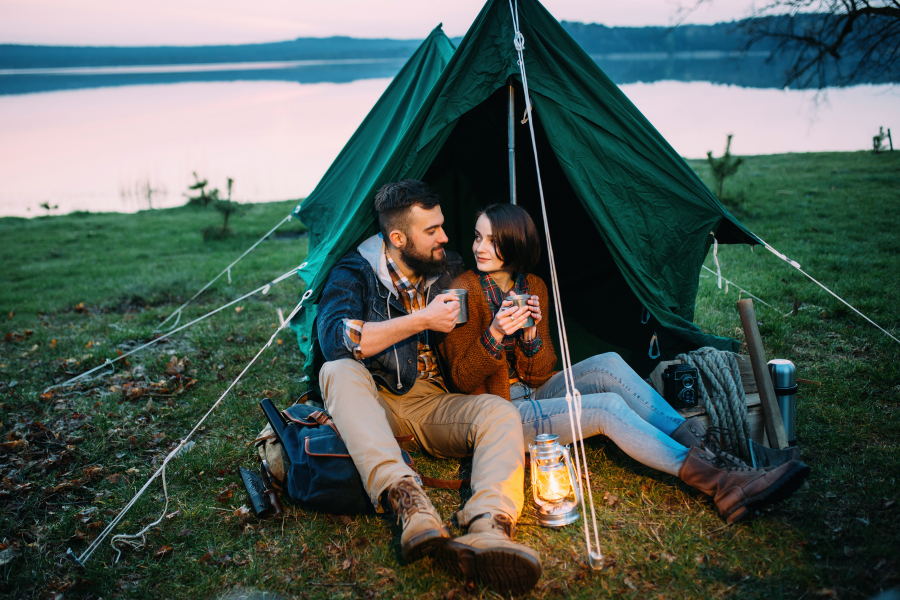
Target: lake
(112,140)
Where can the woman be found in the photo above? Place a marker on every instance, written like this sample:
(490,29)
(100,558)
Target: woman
(495,353)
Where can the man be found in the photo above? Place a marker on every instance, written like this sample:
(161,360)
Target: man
(376,321)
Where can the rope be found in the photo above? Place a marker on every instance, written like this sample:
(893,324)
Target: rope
(84,376)
(727,282)
(726,405)
(573,396)
(227,270)
(86,555)
(796,265)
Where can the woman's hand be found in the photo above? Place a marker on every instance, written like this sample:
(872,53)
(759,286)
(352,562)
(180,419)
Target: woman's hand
(509,320)
(534,304)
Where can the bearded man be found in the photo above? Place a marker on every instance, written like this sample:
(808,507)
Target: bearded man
(377,319)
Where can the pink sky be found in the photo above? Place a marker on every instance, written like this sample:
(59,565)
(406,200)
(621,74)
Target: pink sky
(199,22)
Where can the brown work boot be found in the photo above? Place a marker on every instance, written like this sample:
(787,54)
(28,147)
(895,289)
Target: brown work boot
(692,433)
(488,555)
(423,530)
(738,491)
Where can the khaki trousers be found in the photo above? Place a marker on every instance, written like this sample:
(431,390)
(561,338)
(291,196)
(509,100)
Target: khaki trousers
(486,427)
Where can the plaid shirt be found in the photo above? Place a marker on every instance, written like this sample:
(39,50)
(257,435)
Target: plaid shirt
(495,297)
(413,299)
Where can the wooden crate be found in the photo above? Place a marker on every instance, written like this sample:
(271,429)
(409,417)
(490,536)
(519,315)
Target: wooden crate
(754,408)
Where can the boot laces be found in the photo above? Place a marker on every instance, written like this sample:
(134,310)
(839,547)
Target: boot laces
(713,441)
(407,500)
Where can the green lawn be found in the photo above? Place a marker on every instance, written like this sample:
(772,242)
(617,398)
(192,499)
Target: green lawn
(76,289)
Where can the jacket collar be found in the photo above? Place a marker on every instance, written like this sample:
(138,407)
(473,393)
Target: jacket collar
(373,251)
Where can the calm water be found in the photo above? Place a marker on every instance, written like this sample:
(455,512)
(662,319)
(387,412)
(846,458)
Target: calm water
(101,149)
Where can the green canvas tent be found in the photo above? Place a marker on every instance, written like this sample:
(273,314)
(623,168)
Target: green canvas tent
(357,168)
(630,221)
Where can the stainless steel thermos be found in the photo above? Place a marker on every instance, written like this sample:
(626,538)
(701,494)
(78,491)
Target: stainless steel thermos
(784,379)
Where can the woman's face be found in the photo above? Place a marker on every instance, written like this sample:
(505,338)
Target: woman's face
(483,247)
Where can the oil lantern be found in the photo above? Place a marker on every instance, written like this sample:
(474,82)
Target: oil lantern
(553,482)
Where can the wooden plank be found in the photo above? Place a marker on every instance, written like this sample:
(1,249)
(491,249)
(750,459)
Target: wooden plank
(755,419)
(768,400)
(747,378)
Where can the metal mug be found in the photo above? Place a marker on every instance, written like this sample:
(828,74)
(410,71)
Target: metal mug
(522,300)
(462,296)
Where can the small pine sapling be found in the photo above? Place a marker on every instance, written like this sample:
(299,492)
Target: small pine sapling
(723,167)
(226,207)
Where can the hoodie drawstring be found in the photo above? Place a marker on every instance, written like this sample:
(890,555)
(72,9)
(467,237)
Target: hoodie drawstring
(387,304)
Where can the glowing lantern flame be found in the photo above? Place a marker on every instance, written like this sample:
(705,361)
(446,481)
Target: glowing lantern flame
(553,482)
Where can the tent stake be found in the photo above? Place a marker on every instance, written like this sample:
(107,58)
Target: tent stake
(512,145)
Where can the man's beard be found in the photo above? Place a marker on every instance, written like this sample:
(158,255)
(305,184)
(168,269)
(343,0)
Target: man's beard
(423,265)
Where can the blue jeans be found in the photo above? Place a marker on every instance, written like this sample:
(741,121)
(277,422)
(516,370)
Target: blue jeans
(615,402)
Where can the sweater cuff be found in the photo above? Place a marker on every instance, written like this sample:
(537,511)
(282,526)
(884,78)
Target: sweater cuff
(532,346)
(493,347)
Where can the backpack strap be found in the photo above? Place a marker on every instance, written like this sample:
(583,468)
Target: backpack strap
(320,417)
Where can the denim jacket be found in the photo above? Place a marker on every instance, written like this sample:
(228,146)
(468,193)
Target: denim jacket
(360,287)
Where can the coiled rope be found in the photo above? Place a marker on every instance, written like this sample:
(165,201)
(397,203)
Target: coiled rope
(726,405)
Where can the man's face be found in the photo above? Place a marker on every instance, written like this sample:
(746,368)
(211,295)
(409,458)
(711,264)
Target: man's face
(423,250)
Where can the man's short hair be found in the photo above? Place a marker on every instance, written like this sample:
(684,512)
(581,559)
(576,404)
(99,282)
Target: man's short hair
(395,200)
(514,236)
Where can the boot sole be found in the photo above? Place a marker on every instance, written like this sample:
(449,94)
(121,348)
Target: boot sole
(424,544)
(789,483)
(504,569)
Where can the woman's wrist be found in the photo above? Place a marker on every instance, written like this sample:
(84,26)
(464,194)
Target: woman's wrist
(497,335)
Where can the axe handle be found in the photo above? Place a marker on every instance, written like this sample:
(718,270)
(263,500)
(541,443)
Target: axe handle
(767,398)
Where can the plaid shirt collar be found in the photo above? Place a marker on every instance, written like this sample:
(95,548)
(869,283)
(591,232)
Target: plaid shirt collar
(495,295)
(404,286)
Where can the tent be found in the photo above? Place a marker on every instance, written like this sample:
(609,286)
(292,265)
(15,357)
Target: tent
(630,221)
(357,168)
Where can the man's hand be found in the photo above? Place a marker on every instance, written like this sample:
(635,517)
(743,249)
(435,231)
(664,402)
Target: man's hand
(442,313)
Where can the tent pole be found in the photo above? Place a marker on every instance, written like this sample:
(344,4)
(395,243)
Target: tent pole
(512,145)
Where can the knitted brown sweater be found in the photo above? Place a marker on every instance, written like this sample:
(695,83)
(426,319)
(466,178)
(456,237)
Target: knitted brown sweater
(472,369)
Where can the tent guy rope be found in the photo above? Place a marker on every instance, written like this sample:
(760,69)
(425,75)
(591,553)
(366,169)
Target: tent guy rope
(796,265)
(264,289)
(573,396)
(86,555)
(226,270)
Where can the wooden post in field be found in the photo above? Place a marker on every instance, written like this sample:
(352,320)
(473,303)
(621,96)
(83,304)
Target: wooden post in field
(768,400)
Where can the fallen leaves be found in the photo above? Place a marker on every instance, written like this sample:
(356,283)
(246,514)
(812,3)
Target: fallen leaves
(14,445)
(610,499)
(167,549)
(227,493)
(8,555)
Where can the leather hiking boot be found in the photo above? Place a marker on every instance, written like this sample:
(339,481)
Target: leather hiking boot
(739,491)
(487,554)
(692,433)
(423,530)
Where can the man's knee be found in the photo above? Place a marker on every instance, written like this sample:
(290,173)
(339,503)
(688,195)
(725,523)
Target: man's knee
(336,375)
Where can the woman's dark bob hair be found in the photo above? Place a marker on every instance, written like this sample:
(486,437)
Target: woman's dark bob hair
(514,236)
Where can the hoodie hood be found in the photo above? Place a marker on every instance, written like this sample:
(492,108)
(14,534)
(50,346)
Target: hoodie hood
(373,251)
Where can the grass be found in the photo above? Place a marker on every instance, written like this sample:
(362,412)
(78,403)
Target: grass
(78,288)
